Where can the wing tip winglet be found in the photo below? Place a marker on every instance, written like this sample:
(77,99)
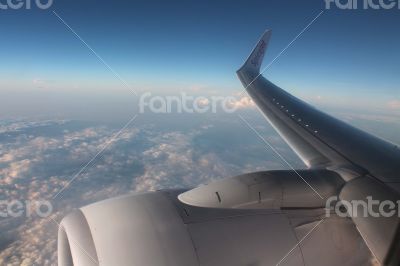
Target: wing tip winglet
(254,61)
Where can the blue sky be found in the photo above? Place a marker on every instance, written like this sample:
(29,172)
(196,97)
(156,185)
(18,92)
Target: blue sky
(347,56)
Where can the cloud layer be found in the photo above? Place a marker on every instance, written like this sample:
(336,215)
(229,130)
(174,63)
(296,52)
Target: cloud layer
(39,158)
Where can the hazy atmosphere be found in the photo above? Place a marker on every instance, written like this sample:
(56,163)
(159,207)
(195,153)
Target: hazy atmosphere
(76,126)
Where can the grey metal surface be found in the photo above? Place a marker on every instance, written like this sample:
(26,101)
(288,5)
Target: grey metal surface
(267,190)
(378,232)
(158,229)
(333,242)
(75,241)
(139,230)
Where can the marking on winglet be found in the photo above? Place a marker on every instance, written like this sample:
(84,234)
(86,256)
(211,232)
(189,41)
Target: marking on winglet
(259,55)
(255,59)
(290,44)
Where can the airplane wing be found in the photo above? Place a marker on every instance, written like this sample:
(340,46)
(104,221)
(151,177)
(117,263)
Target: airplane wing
(319,139)
(263,218)
(369,165)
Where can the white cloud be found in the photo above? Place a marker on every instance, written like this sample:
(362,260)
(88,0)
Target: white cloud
(36,167)
(40,83)
(242,102)
(171,163)
(394,104)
